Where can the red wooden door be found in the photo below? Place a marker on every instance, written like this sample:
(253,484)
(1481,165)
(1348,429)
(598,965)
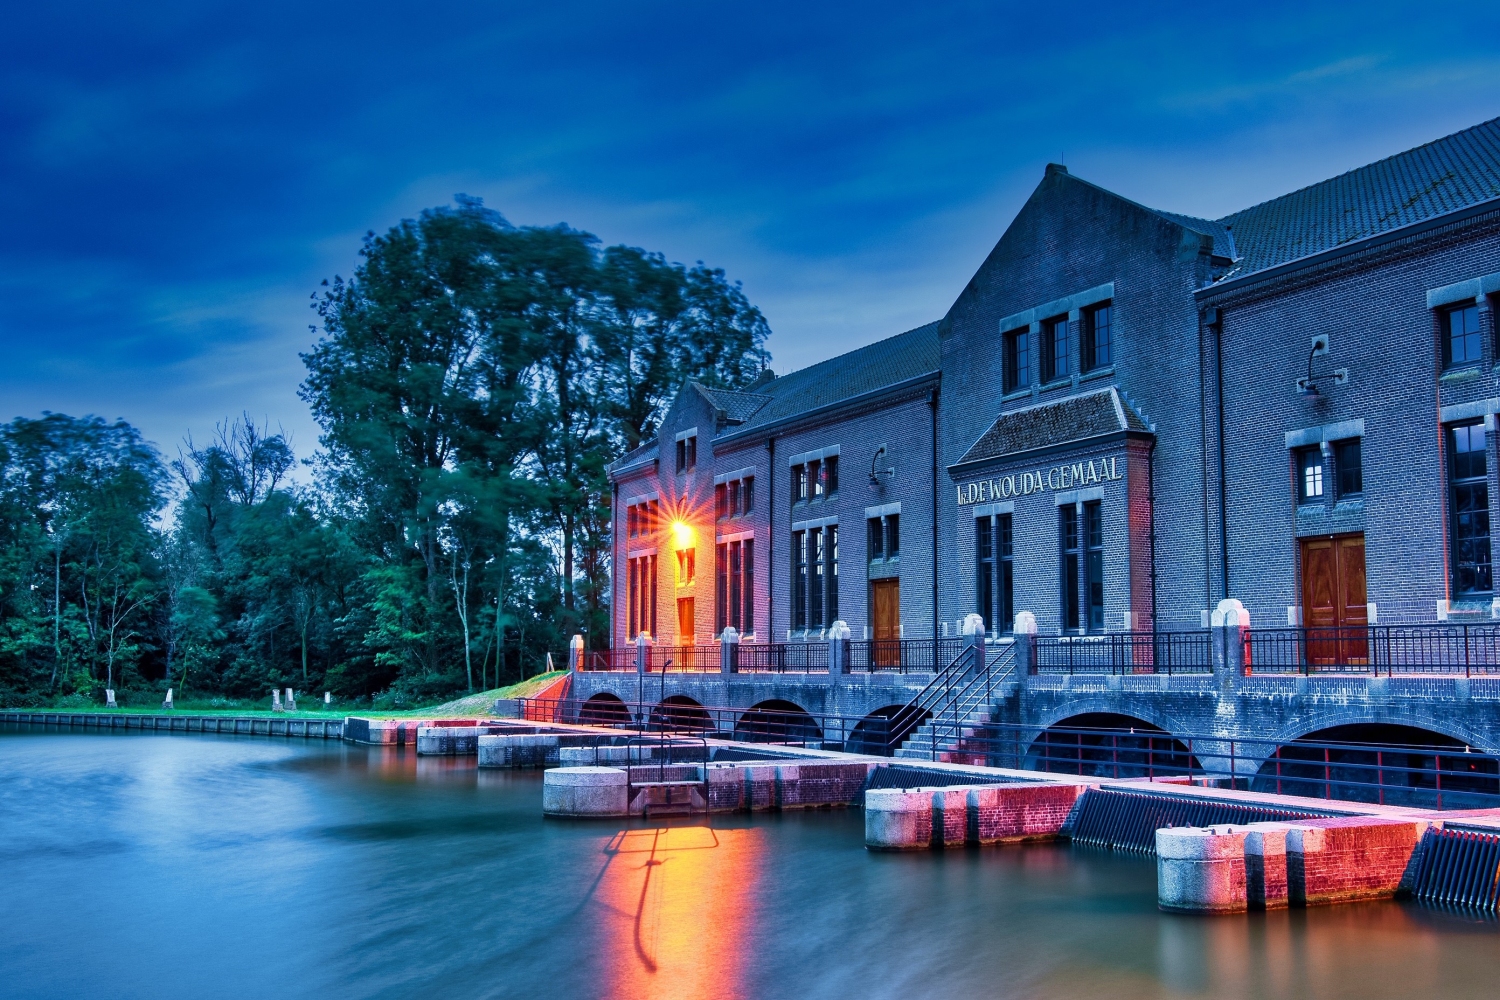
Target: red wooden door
(885,596)
(1334,608)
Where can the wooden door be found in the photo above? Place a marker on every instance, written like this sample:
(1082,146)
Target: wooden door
(685,621)
(885,601)
(1334,608)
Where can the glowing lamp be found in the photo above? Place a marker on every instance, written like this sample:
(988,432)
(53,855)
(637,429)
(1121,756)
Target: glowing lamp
(682,534)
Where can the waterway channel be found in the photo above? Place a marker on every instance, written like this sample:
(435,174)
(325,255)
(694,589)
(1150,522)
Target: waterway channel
(185,866)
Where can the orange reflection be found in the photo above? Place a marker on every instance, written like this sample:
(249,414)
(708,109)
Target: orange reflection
(677,911)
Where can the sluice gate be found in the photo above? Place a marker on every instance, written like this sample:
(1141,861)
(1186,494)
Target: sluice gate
(1127,820)
(1459,868)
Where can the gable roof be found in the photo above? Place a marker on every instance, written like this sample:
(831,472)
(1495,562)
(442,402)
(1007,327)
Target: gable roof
(866,369)
(1062,421)
(1451,173)
(736,407)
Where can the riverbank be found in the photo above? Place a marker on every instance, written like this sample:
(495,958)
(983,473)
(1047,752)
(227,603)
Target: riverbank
(475,706)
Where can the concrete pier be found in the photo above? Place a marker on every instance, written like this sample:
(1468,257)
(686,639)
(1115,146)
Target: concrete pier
(585,792)
(959,815)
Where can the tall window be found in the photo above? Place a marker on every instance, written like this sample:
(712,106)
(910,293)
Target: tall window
(996,576)
(1461,326)
(1310,475)
(1055,349)
(799,483)
(885,537)
(1093,525)
(1346,462)
(1068,532)
(687,567)
(1096,337)
(816,479)
(799,580)
(1016,359)
(1471,510)
(641,600)
(815,577)
(640,518)
(736,586)
(687,453)
(830,475)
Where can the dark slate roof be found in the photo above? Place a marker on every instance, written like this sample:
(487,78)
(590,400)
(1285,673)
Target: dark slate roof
(1222,244)
(737,407)
(1061,421)
(1451,173)
(866,369)
(644,453)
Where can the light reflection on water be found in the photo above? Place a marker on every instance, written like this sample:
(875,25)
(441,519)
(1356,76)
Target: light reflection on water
(165,866)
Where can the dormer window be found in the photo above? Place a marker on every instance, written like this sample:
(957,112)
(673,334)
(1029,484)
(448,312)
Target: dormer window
(687,452)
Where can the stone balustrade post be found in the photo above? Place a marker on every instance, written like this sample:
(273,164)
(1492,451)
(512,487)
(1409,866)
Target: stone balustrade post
(575,653)
(838,650)
(729,651)
(972,629)
(643,653)
(1024,631)
(1231,630)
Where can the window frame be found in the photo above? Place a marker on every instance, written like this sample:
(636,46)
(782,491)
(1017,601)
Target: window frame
(1474,485)
(1473,353)
(1092,354)
(1070,568)
(1342,468)
(1015,360)
(1055,350)
(1305,497)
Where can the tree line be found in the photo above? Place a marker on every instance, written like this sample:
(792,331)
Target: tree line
(471,379)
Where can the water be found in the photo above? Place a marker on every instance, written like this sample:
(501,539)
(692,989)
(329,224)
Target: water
(175,866)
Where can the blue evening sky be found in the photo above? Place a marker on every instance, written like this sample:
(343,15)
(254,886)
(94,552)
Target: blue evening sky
(176,178)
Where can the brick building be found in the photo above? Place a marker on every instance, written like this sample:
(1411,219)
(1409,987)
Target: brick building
(1126,416)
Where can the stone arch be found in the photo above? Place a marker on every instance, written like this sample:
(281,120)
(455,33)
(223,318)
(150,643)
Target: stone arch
(604,709)
(1108,745)
(778,721)
(1143,712)
(875,733)
(1397,713)
(1382,762)
(680,712)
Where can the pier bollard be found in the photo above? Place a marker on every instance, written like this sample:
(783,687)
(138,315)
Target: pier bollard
(291,702)
(275,700)
(1201,870)
(729,651)
(1265,866)
(585,791)
(109,698)
(1231,627)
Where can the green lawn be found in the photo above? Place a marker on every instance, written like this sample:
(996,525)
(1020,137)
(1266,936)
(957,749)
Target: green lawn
(476,705)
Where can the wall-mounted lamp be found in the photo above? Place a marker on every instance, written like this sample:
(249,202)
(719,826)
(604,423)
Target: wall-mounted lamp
(1308,386)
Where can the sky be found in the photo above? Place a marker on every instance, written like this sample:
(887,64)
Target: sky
(176,179)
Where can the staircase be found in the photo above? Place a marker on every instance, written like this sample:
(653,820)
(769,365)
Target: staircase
(963,707)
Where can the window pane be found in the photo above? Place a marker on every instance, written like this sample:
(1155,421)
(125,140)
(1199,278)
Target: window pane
(1310,475)
(831,473)
(1463,335)
(748,558)
(748,494)
(892,535)
(815,581)
(984,546)
(1346,456)
(721,575)
(877,540)
(831,553)
(1099,336)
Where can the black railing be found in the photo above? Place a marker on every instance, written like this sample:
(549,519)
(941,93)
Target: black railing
(1126,653)
(1376,649)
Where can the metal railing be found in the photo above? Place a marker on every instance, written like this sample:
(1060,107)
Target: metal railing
(1446,776)
(1126,653)
(1376,649)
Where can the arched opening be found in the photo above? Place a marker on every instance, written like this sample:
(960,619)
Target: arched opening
(1390,764)
(1106,745)
(884,730)
(680,712)
(604,709)
(778,721)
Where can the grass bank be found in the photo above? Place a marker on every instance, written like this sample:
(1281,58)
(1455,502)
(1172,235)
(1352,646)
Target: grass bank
(473,706)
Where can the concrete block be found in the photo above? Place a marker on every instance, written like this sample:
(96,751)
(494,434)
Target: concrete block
(526,750)
(898,819)
(1265,866)
(585,791)
(1201,869)
(1348,858)
(1001,814)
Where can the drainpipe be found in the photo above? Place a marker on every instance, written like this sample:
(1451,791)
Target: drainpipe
(1208,571)
(932,401)
(770,538)
(1223,474)
(1151,489)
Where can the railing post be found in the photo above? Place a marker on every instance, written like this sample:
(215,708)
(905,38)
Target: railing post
(1231,633)
(1024,631)
(575,654)
(643,653)
(838,650)
(729,651)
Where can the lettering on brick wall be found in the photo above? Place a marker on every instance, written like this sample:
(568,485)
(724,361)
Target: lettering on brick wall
(1060,477)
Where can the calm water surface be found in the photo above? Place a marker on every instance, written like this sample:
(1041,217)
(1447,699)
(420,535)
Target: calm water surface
(178,866)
